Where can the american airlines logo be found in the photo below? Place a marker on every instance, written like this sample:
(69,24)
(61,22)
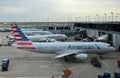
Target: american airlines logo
(80,47)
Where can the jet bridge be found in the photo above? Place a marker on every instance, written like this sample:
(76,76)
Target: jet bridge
(112,29)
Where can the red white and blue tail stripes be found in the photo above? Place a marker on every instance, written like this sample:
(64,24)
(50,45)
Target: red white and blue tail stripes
(27,45)
(22,41)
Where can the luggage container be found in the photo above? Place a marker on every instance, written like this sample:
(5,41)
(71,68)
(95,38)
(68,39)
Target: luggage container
(5,64)
(6,60)
(117,74)
(107,74)
(4,67)
(100,76)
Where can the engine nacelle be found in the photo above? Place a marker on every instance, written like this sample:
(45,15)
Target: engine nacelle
(10,36)
(81,56)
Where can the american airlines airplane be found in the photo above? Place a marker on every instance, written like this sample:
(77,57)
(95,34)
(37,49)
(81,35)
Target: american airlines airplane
(16,35)
(37,32)
(38,38)
(76,50)
(31,32)
(31,29)
(5,29)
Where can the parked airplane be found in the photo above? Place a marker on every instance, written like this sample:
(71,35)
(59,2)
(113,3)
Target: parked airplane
(5,29)
(38,38)
(62,37)
(32,32)
(37,32)
(74,50)
(30,29)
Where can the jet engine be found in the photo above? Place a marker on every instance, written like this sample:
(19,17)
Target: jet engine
(81,56)
(10,37)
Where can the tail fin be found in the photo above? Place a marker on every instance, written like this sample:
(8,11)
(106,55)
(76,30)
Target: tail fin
(18,34)
(14,28)
(22,41)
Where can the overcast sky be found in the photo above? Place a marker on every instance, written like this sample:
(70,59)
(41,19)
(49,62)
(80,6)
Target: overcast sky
(38,10)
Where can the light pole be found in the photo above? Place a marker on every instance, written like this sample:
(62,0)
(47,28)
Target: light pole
(79,18)
(94,19)
(88,18)
(68,19)
(85,18)
(112,16)
(97,18)
(47,19)
(71,19)
(57,19)
(116,18)
(105,17)
(61,19)
(76,19)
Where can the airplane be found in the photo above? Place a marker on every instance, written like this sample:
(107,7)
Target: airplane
(38,38)
(62,37)
(74,50)
(37,32)
(31,29)
(32,32)
(5,29)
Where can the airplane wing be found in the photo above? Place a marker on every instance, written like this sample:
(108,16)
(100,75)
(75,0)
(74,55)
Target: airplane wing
(67,53)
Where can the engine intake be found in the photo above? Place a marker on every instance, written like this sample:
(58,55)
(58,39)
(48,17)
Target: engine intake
(81,56)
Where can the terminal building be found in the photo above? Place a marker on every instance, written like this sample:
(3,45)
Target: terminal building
(112,29)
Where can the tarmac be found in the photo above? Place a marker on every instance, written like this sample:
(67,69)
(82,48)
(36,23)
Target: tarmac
(30,64)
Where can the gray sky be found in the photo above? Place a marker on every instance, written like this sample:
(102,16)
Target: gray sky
(38,10)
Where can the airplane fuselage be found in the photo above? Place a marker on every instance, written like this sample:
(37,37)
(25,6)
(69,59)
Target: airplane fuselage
(86,47)
(37,32)
(50,36)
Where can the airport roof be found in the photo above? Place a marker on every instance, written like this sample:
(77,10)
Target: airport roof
(108,26)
